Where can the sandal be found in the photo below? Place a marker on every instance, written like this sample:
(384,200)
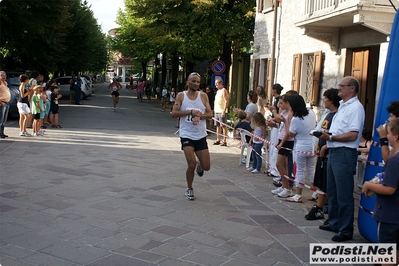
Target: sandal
(313,197)
(296,198)
(223,144)
(216,142)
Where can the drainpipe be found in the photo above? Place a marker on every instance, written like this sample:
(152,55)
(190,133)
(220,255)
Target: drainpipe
(273,54)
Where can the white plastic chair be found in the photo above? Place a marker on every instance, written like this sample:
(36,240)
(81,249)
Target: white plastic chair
(245,145)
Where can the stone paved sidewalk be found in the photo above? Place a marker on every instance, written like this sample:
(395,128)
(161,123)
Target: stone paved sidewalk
(108,189)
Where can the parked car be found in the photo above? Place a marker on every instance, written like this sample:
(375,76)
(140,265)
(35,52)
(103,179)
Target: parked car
(63,84)
(13,85)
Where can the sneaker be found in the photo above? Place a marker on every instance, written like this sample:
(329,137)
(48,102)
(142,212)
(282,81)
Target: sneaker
(277,179)
(285,193)
(190,194)
(315,213)
(22,134)
(114,109)
(199,169)
(277,183)
(277,190)
(58,126)
(255,171)
(35,134)
(244,160)
(43,127)
(250,168)
(27,134)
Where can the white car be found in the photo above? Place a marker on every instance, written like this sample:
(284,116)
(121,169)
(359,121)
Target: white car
(63,84)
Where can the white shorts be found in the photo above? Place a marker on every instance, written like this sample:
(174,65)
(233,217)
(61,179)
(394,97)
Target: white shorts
(23,108)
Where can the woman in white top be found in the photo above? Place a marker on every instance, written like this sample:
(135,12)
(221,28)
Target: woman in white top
(302,123)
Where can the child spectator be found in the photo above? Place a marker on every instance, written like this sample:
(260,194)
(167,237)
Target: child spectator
(36,110)
(243,124)
(257,140)
(54,106)
(386,211)
(42,101)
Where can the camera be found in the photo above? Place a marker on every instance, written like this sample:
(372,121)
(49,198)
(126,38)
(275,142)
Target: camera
(317,133)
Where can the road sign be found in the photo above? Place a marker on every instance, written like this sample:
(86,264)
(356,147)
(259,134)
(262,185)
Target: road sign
(218,67)
(214,76)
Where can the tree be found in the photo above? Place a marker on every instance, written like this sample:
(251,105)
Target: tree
(195,30)
(51,36)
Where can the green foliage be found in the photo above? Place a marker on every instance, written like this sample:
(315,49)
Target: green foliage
(51,36)
(195,29)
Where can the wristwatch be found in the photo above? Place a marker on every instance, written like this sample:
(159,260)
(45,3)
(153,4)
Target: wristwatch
(330,138)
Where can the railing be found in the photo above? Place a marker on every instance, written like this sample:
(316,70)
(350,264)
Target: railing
(312,6)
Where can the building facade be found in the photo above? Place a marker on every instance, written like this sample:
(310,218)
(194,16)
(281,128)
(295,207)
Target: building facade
(315,43)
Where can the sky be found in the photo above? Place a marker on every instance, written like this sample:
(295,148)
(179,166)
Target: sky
(105,12)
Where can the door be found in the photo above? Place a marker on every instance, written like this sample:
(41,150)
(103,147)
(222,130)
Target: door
(364,68)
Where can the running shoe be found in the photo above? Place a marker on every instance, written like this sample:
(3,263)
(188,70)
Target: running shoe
(199,169)
(190,194)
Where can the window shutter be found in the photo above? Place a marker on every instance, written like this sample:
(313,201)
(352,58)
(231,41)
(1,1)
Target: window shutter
(316,86)
(296,72)
(256,73)
(269,77)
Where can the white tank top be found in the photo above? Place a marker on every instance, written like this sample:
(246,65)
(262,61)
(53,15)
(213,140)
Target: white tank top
(219,101)
(187,129)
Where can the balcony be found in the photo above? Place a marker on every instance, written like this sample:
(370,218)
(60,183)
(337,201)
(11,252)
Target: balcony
(322,19)
(377,14)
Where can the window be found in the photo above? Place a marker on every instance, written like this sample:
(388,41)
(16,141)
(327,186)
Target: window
(265,6)
(306,76)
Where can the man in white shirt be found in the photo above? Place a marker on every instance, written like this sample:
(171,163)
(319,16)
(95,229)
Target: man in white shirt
(342,141)
(192,106)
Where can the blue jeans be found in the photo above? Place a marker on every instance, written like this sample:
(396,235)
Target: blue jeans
(257,151)
(3,117)
(341,166)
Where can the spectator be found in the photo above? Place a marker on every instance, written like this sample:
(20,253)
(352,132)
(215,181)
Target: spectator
(140,90)
(172,98)
(36,110)
(77,87)
(365,143)
(302,123)
(331,103)
(262,99)
(55,96)
(22,104)
(276,90)
(251,107)
(284,146)
(221,109)
(342,142)
(164,97)
(5,97)
(393,110)
(386,211)
(257,140)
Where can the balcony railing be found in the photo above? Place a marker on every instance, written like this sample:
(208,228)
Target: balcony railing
(326,6)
